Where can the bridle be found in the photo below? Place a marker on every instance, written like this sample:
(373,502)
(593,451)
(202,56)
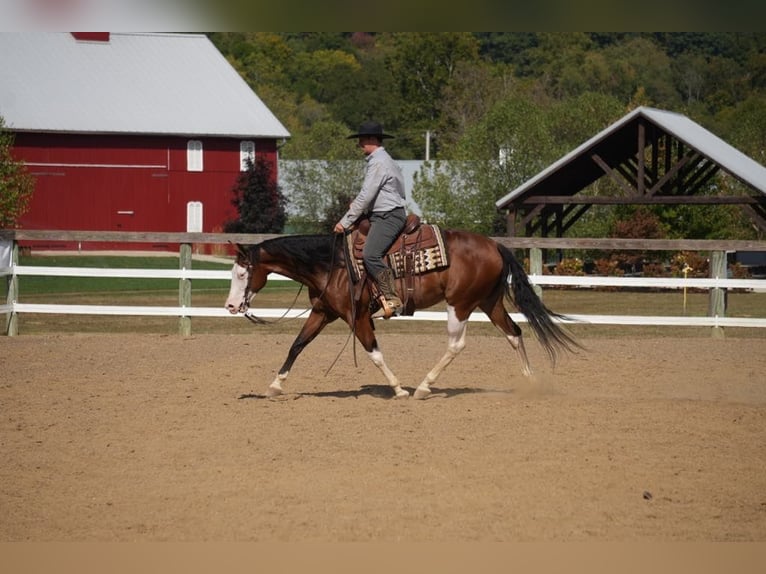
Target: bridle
(249,294)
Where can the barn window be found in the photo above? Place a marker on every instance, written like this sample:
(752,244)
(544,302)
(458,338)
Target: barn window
(246,152)
(194,155)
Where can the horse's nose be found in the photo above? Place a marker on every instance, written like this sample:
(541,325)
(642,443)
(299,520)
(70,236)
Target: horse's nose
(231,308)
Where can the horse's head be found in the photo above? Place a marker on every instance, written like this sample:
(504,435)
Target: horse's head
(247,278)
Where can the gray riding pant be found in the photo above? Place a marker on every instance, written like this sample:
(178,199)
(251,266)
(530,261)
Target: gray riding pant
(384,227)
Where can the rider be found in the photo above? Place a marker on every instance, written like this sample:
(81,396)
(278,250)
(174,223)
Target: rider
(382,196)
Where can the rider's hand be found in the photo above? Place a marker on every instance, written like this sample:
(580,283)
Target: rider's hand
(339,228)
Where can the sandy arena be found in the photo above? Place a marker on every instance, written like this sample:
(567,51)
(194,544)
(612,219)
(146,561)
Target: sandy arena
(164,438)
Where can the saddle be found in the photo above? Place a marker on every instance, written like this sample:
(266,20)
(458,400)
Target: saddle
(420,248)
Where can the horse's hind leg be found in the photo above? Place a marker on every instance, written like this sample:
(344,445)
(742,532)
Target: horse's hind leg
(502,320)
(455,343)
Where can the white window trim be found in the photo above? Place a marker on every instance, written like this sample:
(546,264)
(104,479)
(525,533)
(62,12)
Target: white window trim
(194,155)
(246,150)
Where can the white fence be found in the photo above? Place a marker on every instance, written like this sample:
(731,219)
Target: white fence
(540,280)
(717,286)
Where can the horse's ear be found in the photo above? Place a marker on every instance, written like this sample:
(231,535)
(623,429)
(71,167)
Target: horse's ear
(243,254)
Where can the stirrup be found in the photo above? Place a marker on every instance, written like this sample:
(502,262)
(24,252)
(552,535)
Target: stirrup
(387,310)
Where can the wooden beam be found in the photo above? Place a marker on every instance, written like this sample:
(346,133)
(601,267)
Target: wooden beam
(758,216)
(640,158)
(621,244)
(610,172)
(669,174)
(527,217)
(627,170)
(703,176)
(134,237)
(510,222)
(573,213)
(515,242)
(647,199)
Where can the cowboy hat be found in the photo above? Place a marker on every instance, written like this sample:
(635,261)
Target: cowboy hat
(370,129)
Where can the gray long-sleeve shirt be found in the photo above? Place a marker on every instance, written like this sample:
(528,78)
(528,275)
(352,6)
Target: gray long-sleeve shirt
(382,189)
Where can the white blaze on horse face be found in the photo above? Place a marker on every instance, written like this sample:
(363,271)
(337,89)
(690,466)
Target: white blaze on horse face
(235,302)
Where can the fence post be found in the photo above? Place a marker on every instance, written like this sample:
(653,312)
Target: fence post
(717,301)
(536,267)
(184,288)
(12,291)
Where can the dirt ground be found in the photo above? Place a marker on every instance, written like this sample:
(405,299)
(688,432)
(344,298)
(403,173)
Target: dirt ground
(165,438)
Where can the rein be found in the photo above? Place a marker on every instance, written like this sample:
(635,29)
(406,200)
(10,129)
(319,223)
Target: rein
(261,321)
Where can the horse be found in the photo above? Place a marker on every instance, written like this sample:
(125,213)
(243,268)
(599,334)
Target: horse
(481,273)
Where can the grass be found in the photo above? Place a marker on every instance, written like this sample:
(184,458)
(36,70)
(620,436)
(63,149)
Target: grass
(33,284)
(279,294)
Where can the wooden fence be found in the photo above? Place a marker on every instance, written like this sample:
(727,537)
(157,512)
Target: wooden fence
(716,284)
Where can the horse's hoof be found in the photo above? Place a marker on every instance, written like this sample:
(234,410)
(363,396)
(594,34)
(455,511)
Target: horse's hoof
(273,391)
(422,393)
(402,394)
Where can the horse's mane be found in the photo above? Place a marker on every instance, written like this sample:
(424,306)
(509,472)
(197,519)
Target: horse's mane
(320,252)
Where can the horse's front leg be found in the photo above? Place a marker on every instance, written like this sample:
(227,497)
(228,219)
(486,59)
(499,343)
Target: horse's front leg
(455,343)
(366,336)
(317,320)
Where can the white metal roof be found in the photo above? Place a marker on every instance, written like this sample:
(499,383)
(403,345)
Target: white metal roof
(136,83)
(691,133)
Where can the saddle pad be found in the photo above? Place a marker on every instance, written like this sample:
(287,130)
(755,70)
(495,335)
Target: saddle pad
(420,257)
(420,252)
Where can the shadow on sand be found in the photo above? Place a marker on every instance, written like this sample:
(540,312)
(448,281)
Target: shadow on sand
(378,392)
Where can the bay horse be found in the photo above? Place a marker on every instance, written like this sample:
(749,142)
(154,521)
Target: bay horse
(481,274)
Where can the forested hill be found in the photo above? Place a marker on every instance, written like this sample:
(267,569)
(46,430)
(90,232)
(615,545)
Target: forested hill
(452,86)
(499,108)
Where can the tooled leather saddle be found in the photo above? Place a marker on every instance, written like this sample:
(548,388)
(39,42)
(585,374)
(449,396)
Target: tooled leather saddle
(420,248)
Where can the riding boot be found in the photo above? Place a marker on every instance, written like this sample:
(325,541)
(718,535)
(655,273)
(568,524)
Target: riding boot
(390,304)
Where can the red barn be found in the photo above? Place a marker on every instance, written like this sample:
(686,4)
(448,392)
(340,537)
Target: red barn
(130,132)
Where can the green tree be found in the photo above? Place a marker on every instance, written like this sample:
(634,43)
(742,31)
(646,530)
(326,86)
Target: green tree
(745,126)
(259,201)
(321,178)
(576,120)
(511,144)
(557,61)
(372,94)
(423,64)
(16,185)
(474,89)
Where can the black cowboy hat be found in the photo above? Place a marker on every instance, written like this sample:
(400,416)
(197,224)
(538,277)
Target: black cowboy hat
(370,129)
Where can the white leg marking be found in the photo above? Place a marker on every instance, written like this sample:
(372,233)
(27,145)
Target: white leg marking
(377,358)
(518,344)
(275,388)
(456,330)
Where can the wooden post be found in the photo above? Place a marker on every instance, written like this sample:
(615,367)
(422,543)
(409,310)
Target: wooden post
(12,290)
(184,288)
(717,301)
(536,267)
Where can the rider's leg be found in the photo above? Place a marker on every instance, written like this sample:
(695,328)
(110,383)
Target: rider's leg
(384,228)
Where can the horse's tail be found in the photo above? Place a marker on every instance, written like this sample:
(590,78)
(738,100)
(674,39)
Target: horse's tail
(520,293)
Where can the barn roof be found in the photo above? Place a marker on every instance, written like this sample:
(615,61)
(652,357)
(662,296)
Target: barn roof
(135,83)
(577,170)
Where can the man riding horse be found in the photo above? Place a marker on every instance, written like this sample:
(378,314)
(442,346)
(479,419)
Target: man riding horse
(382,197)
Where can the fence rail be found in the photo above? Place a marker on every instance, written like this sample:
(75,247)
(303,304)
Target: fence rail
(717,284)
